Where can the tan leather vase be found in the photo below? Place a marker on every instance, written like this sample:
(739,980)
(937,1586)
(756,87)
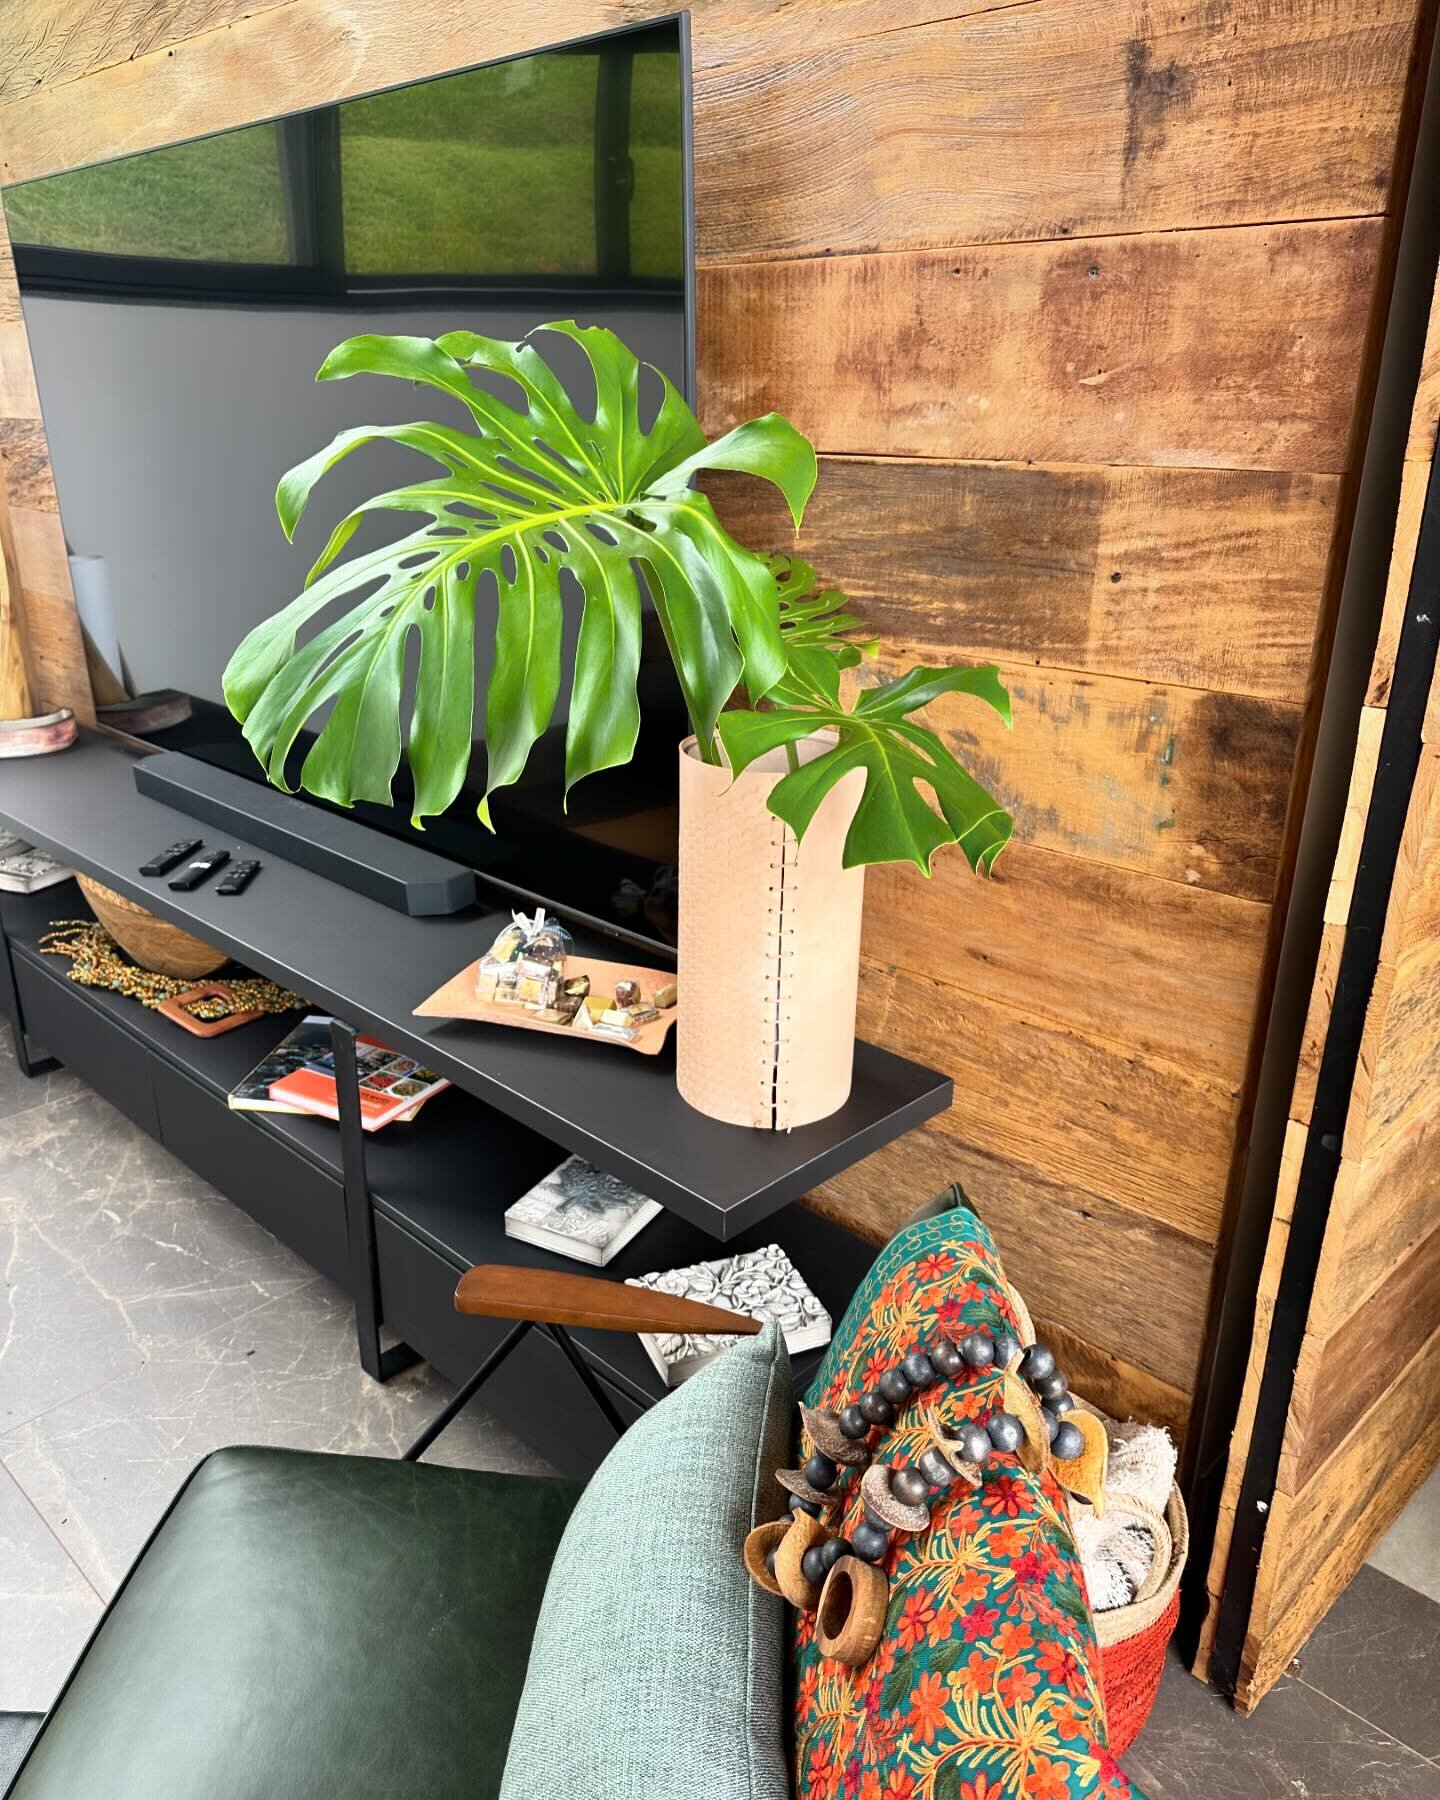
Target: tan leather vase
(769,950)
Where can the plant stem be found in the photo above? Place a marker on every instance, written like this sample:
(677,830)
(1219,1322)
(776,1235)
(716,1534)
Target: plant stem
(792,758)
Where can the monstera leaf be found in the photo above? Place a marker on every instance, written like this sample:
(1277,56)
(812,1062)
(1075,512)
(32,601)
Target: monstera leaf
(531,489)
(894,822)
(813,621)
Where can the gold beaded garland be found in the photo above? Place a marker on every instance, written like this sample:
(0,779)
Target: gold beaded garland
(96,961)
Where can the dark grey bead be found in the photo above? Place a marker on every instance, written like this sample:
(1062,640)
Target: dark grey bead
(1052,1424)
(853,1422)
(936,1470)
(1068,1442)
(805,1506)
(812,1565)
(1007,1348)
(820,1472)
(1051,1386)
(977,1349)
(1060,1405)
(1006,1431)
(946,1358)
(919,1370)
(975,1441)
(894,1384)
(870,1542)
(876,1408)
(909,1487)
(832,1550)
(1037,1362)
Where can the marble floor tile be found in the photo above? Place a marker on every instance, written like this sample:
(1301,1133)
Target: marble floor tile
(1410,1549)
(47,1608)
(1298,1745)
(87,1198)
(101,1468)
(1376,1652)
(20,1092)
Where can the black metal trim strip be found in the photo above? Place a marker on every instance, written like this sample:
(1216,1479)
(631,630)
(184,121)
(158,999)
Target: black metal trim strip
(1400,749)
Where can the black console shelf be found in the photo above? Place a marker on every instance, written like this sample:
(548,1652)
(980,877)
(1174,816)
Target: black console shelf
(433,1193)
(370,966)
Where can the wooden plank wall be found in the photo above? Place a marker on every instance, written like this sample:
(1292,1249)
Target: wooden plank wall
(1077,299)
(1363,1429)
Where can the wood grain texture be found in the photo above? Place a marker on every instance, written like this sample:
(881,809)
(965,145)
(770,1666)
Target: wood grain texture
(1154,1278)
(823,127)
(1399,1072)
(1339,1378)
(1109,1119)
(1368,735)
(1163,968)
(556,1297)
(1318,1538)
(1198,577)
(1414,479)
(1412,920)
(1232,349)
(1317,1022)
(1426,411)
(1173,782)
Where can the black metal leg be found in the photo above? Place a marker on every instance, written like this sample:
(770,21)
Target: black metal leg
(359,1218)
(466,1394)
(587,1375)
(10,1002)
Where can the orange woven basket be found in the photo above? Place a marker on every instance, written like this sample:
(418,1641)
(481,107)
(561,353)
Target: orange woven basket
(1133,1638)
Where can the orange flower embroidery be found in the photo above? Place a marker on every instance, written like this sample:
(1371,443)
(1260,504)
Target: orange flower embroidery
(927,1706)
(916,1618)
(981,1788)
(1047,1780)
(1013,1637)
(1018,1684)
(974,1679)
(973,1585)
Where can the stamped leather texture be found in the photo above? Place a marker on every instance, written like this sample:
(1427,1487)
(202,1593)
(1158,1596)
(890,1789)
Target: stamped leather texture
(303,1627)
(769,948)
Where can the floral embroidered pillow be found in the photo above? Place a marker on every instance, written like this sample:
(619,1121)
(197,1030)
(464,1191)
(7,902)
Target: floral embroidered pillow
(985,1684)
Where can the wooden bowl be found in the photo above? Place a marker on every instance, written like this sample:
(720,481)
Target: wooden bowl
(154,943)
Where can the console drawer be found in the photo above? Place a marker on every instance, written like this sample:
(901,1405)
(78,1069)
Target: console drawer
(279,1188)
(535,1392)
(59,1018)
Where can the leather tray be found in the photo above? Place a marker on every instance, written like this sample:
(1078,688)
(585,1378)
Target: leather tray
(456,1000)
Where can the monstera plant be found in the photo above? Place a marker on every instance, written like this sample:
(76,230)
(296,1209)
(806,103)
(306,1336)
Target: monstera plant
(531,487)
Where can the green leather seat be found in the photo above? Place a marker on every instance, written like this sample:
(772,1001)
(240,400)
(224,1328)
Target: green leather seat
(305,1626)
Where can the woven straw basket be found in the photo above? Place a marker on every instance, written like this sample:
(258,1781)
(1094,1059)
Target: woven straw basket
(1133,1638)
(154,943)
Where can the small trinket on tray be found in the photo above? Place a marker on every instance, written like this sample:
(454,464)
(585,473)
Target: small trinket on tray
(627,993)
(523,965)
(666,996)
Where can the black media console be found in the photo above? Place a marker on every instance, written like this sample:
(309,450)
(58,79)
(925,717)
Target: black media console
(432,1194)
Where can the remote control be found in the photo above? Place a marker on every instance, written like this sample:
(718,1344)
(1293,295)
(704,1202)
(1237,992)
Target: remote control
(167,859)
(239,878)
(200,870)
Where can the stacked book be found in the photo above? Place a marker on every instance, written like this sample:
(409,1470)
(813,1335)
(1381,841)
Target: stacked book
(298,1076)
(24,869)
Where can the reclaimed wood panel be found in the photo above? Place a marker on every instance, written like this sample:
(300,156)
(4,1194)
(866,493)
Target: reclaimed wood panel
(1382,1208)
(840,128)
(1202,578)
(1414,479)
(1399,1073)
(1168,969)
(1154,1278)
(1413,921)
(1110,1118)
(1232,348)
(1174,782)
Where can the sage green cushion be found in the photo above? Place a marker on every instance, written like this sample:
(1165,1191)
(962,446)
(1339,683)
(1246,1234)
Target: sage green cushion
(657,1666)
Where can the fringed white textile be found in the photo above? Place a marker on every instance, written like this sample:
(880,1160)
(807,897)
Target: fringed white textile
(1116,1552)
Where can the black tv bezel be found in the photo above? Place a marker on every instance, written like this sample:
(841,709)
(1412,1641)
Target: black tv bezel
(47,275)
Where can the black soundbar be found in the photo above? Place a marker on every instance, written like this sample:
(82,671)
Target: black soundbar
(397,874)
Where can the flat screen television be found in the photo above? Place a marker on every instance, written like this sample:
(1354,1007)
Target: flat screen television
(179,302)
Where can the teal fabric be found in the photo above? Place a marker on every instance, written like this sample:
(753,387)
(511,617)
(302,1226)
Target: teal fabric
(657,1670)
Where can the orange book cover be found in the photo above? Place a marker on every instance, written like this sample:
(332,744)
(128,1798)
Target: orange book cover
(391,1085)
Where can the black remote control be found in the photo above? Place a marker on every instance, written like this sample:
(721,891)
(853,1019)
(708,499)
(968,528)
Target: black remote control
(167,859)
(239,878)
(200,870)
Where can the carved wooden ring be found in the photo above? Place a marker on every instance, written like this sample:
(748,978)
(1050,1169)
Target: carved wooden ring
(804,1534)
(853,1604)
(1084,1475)
(758,1545)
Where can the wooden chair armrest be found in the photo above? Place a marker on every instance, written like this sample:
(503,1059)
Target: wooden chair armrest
(555,1297)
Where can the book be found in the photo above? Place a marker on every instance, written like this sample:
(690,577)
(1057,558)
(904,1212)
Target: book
(760,1283)
(25,870)
(307,1047)
(391,1085)
(580,1211)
